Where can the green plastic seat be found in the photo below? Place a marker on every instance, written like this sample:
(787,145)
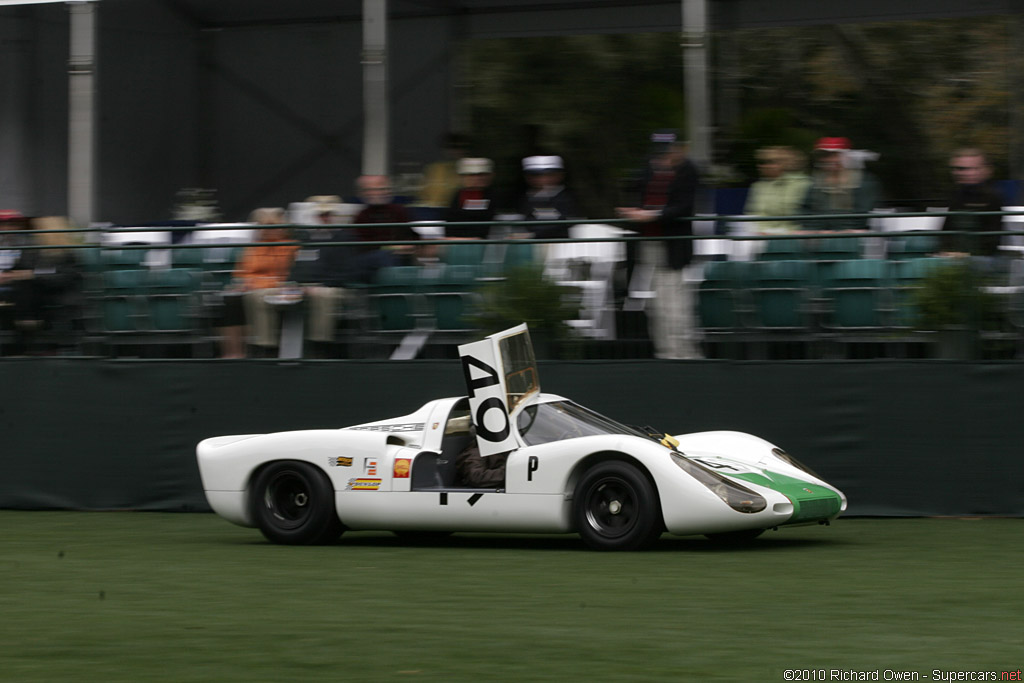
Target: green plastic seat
(172,299)
(122,301)
(857,296)
(781,292)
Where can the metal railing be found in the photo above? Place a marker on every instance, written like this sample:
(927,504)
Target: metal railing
(631,333)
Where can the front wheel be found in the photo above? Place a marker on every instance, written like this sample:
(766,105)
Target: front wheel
(615,507)
(293,503)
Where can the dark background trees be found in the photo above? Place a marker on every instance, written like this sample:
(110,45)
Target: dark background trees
(911,91)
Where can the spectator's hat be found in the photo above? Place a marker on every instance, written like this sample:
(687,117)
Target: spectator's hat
(542,164)
(325,203)
(474,166)
(832,145)
(662,139)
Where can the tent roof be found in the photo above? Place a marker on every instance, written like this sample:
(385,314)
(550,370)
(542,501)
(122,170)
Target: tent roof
(515,17)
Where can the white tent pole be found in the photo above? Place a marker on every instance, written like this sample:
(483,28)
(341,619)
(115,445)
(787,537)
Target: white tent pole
(81,112)
(695,75)
(375,87)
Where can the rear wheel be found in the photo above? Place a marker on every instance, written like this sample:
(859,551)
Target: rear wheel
(615,507)
(293,503)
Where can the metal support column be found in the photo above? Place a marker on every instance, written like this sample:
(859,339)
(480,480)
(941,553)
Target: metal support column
(375,87)
(81,112)
(695,76)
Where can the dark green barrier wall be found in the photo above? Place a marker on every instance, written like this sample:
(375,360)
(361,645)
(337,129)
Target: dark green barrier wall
(900,438)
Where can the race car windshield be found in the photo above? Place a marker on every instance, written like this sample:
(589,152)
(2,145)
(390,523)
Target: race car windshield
(560,420)
(520,368)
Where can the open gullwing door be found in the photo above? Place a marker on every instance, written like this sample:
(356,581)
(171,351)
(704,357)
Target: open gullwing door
(501,379)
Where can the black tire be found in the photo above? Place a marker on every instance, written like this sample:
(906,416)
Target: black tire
(615,507)
(293,503)
(736,537)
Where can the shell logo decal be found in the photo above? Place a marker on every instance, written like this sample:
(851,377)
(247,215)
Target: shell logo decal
(402,467)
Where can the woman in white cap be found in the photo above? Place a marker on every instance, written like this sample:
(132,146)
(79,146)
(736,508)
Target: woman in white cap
(474,202)
(546,198)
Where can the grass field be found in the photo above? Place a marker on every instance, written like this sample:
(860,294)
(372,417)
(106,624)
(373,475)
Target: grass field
(123,596)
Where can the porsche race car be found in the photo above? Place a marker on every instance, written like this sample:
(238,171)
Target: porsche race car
(567,469)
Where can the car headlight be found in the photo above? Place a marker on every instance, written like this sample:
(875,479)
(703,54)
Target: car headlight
(787,458)
(735,495)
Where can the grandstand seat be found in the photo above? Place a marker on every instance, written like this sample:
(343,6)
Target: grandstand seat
(519,254)
(453,297)
(187,257)
(913,246)
(396,299)
(121,317)
(720,303)
(857,302)
(779,249)
(463,253)
(219,263)
(90,259)
(780,294)
(172,299)
(122,259)
(835,248)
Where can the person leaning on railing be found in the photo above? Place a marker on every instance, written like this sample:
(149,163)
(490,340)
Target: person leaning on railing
(975,191)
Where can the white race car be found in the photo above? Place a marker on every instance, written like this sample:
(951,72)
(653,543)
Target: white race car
(568,469)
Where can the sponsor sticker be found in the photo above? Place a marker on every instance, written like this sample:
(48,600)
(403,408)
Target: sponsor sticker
(370,466)
(340,461)
(402,468)
(363,484)
(405,427)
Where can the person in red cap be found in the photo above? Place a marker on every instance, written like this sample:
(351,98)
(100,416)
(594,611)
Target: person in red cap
(837,187)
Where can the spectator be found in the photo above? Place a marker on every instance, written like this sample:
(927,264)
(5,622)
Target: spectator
(324,272)
(546,197)
(376,193)
(17,296)
(474,202)
(260,270)
(441,179)
(780,191)
(975,191)
(58,278)
(669,189)
(838,186)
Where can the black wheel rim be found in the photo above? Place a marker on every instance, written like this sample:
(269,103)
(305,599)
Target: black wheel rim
(611,507)
(287,498)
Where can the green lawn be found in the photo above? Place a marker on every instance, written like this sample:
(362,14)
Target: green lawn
(123,596)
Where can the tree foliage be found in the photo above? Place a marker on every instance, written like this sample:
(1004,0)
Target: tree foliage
(912,91)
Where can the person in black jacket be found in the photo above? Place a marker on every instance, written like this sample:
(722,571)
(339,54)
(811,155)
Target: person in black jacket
(547,198)
(668,197)
(474,201)
(975,191)
(39,288)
